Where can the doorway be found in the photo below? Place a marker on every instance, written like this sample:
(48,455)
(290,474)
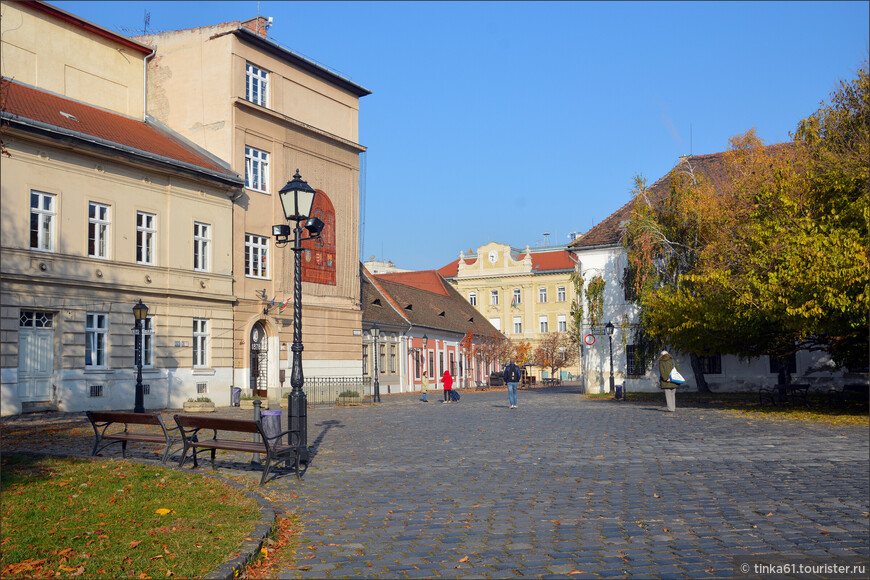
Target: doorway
(35,355)
(259,361)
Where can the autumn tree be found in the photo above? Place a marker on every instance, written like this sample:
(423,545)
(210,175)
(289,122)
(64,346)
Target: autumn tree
(774,257)
(554,352)
(522,353)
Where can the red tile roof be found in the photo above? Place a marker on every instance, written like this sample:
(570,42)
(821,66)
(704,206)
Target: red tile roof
(452,269)
(551,261)
(427,280)
(24,103)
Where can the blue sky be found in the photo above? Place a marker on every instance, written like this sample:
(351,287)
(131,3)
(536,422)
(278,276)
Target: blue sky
(503,121)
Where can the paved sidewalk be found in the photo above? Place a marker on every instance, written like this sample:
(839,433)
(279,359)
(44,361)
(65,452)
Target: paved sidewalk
(565,487)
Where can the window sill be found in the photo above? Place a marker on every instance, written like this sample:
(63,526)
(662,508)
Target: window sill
(98,371)
(203,372)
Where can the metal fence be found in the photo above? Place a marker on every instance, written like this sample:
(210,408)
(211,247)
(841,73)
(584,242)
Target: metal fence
(322,391)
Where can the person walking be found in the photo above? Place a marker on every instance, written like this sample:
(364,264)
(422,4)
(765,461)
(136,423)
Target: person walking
(512,379)
(666,365)
(447,381)
(425,386)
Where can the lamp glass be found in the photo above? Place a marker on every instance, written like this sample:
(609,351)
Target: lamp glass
(140,311)
(376,332)
(425,340)
(297,198)
(608,328)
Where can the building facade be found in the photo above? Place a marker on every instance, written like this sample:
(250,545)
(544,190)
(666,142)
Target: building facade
(103,207)
(524,294)
(270,112)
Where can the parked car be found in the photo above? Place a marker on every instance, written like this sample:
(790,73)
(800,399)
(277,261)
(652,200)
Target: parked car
(496,379)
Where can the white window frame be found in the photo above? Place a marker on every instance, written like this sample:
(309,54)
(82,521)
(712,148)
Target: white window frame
(562,322)
(96,340)
(542,294)
(560,294)
(201,246)
(472,298)
(256,85)
(147,353)
(146,233)
(200,342)
(98,229)
(518,296)
(256,169)
(45,218)
(256,256)
(518,324)
(493,297)
(496,323)
(543,324)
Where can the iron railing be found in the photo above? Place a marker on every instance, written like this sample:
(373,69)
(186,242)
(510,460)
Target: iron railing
(326,390)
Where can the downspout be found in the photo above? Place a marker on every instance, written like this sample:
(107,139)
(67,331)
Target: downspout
(145,84)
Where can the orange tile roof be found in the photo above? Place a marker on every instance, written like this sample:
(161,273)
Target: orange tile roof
(551,261)
(427,280)
(23,103)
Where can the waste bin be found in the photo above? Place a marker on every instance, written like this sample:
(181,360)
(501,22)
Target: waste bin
(235,396)
(271,421)
(619,393)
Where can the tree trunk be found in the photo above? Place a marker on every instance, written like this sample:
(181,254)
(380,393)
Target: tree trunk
(700,380)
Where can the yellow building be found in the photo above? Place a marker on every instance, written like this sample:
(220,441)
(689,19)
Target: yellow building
(525,294)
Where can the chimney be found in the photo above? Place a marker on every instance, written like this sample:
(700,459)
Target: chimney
(259,25)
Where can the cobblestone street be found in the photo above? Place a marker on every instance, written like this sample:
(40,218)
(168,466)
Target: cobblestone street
(573,488)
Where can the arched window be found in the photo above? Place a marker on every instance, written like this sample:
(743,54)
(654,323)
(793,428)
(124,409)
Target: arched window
(318,256)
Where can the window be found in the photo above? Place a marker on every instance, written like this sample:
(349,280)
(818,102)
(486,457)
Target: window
(472,298)
(431,362)
(256,169)
(382,358)
(145,231)
(200,342)
(201,388)
(31,319)
(633,366)
(493,298)
(393,359)
(543,322)
(518,298)
(365,360)
(256,85)
(417,363)
(518,325)
(42,215)
(96,335)
(256,256)
(562,321)
(452,364)
(95,390)
(201,246)
(98,230)
(542,294)
(496,323)
(148,342)
(440,364)
(711,365)
(560,294)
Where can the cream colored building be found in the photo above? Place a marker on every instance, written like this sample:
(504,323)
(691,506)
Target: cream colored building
(269,112)
(525,294)
(103,207)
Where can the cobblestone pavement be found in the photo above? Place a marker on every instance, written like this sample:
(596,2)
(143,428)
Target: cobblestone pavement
(564,487)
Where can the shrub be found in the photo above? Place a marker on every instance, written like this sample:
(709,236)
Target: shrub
(349,394)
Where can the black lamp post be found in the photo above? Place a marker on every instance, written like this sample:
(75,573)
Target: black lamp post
(297,199)
(609,328)
(376,332)
(140,313)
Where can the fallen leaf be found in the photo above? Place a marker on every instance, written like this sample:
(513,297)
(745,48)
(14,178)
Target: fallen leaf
(163,511)
(465,559)
(134,543)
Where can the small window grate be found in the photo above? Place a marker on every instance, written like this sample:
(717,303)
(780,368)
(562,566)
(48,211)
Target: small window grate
(201,388)
(146,389)
(96,390)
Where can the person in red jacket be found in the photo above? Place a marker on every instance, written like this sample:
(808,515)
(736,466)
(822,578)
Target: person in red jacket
(447,381)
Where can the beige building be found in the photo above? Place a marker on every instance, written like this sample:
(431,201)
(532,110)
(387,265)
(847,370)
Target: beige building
(269,112)
(103,207)
(524,294)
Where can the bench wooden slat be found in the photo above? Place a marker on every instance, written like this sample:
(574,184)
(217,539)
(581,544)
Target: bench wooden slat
(101,421)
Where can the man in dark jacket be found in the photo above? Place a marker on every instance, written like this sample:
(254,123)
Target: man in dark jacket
(666,365)
(512,379)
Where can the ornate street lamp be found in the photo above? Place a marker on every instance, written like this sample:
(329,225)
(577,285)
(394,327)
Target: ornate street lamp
(609,328)
(140,313)
(297,199)
(376,332)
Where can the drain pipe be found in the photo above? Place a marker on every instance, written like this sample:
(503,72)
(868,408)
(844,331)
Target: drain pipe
(145,84)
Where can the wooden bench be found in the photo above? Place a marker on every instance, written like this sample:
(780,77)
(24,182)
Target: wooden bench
(552,382)
(270,445)
(102,420)
(781,394)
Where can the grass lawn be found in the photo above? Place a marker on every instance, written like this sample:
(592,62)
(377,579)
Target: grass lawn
(817,410)
(75,517)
